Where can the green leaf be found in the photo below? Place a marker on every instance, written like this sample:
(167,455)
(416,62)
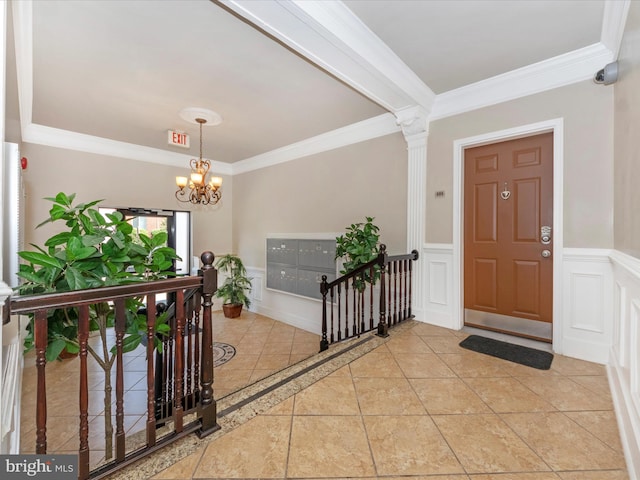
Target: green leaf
(59,239)
(95,216)
(54,348)
(77,251)
(65,199)
(74,279)
(41,259)
(159,239)
(130,343)
(92,240)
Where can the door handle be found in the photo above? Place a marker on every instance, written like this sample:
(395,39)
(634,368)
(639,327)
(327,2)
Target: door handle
(546,253)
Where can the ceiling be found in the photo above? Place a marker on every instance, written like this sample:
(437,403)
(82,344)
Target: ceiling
(112,77)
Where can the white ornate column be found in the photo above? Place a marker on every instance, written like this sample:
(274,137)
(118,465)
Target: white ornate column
(415,128)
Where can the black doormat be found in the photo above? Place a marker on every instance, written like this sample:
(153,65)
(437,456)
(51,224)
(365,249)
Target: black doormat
(508,351)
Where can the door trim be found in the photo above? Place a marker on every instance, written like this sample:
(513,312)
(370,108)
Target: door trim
(557,127)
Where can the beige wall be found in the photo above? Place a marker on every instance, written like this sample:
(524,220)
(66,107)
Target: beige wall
(121,183)
(587,110)
(324,193)
(627,139)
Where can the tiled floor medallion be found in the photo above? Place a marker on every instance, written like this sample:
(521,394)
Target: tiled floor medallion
(222,353)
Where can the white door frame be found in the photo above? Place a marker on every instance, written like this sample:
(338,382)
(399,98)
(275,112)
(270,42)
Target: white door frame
(557,127)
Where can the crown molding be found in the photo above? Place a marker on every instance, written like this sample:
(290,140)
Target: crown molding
(330,35)
(555,72)
(379,126)
(55,137)
(334,38)
(614,19)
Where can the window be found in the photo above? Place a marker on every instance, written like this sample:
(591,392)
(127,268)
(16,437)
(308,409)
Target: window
(177,224)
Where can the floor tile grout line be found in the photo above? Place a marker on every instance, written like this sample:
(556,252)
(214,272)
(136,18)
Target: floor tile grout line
(293,412)
(364,426)
(444,438)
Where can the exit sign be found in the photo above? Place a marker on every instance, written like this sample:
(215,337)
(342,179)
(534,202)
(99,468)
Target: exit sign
(178,139)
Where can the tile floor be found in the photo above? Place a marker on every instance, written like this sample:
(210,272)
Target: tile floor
(263,346)
(420,407)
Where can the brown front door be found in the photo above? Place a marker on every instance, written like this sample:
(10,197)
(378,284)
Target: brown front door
(508,206)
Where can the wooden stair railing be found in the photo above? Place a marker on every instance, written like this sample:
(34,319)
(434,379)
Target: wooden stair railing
(351,303)
(165,357)
(198,383)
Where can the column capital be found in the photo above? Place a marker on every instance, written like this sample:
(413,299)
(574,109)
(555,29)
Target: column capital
(414,122)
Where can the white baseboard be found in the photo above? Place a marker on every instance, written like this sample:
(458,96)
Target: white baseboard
(626,415)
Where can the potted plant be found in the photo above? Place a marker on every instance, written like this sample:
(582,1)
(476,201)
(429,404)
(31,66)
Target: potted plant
(93,250)
(235,290)
(358,246)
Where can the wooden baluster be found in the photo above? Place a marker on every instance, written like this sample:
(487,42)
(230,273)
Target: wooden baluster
(332,308)
(83,338)
(339,311)
(397,294)
(398,305)
(361,295)
(346,309)
(324,342)
(372,273)
(404,297)
(170,357)
(119,330)
(354,327)
(189,372)
(415,257)
(40,336)
(389,292)
(383,327)
(179,363)
(208,407)
(166,353)
(196,341)
(151,332)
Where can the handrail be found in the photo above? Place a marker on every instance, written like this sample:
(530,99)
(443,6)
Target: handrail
(339,322)
(201,400)
(21,304)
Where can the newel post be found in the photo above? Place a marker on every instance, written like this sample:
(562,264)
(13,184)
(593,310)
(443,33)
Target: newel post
(324,343)
(208,407)
(383,326)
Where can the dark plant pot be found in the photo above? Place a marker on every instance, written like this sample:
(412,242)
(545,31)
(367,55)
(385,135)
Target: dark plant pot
(64,354)
(232,310)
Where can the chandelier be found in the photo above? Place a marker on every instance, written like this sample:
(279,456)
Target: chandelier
(200,191)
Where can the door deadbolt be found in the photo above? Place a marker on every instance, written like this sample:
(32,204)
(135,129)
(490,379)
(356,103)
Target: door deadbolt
(545,235)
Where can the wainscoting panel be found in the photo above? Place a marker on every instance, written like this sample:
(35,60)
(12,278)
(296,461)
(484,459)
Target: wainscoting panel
(438,304)
(624,360)
(587,326)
